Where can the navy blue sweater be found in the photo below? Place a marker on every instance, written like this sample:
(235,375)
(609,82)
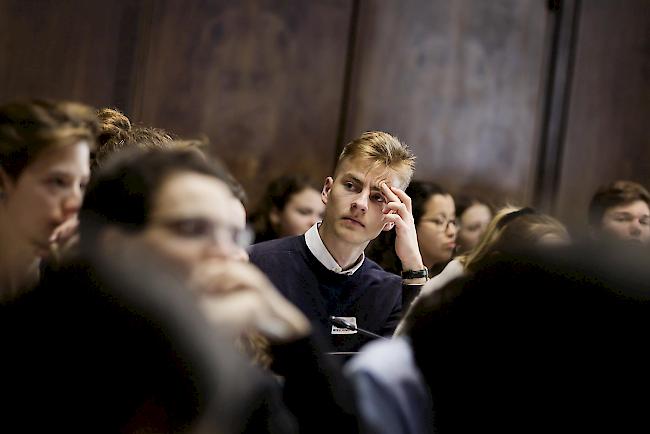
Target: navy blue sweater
(371,294)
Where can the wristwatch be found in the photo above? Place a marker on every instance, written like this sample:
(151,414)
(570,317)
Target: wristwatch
(415,274)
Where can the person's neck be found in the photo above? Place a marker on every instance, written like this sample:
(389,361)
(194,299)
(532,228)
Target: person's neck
(345,254)
(19,267)
(431,262)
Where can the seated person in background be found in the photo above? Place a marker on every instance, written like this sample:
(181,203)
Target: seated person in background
(620,212)
(290,206)
(510,229)
(325,272)
(434,215)
(473,216)
(44,169)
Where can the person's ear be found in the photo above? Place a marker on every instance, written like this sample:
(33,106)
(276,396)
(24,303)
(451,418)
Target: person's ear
(5,183)
(275,218)
(327,188)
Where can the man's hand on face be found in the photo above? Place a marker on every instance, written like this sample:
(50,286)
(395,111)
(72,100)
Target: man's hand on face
(399,213)
(238,298)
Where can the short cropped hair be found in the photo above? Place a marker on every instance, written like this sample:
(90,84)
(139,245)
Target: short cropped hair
(380,148)
(27,128)
(614,194)
(122,192)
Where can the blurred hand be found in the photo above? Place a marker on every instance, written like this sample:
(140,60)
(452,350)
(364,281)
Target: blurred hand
(238,298)
(65,237)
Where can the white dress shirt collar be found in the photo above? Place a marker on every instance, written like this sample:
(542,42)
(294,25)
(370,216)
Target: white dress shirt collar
(317,248)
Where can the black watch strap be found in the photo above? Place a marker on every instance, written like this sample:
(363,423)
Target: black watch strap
(416,274)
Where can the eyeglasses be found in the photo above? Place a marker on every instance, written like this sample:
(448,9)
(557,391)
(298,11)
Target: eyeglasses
(206,230)
(442,224)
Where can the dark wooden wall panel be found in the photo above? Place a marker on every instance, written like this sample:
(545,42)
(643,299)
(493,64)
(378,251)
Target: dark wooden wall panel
(262,79)
(460,81)
(608,133)
(62,50)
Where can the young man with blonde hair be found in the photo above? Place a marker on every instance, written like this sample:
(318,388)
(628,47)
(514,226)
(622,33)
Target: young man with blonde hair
(325,272)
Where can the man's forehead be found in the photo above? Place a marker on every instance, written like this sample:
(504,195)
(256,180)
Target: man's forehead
(637,206)
(368,173)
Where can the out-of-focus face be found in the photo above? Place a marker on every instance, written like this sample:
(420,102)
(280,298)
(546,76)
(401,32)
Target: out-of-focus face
(46,194)
(301,212)
(355,203)
(473,223)
(628,222)
(437,229)
(195,219)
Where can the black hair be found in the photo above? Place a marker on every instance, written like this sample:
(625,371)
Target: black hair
(122,191)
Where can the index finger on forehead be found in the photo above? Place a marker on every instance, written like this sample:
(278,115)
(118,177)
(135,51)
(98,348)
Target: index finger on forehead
(392,197)
(405,198)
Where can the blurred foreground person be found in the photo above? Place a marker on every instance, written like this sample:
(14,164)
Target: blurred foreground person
(179,205)
(44,169)
(511,229)
(531,342)
(620,212)
(115,343)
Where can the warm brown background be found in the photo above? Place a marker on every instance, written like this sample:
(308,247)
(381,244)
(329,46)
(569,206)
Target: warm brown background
(531,101)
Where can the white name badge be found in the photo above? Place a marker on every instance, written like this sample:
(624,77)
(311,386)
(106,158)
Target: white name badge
(343,331)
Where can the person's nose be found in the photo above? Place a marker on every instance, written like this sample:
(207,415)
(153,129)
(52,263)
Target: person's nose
(224,245)
(220,249)
(635,228)
(451,230)
(360,202)
(72,202)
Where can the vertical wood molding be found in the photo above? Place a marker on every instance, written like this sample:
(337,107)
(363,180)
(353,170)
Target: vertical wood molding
(347,79)
(556,105)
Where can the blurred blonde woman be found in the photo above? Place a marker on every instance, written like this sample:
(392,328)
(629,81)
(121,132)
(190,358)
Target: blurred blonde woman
(511,228)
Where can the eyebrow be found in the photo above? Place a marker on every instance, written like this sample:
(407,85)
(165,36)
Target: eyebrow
(355,178)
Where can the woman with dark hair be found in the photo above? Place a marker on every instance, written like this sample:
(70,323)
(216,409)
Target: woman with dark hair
(290,206)
(434,214)
(44,169)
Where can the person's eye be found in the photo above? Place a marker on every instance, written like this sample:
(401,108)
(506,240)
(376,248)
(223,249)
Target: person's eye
(57,182)
(377,198)
(622,219)
(645,221)
(304,211)
(348,185)
(191,228)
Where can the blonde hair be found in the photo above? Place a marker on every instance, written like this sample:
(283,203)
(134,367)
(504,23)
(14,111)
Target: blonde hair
(512,227)
(28,128)
(380,148)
